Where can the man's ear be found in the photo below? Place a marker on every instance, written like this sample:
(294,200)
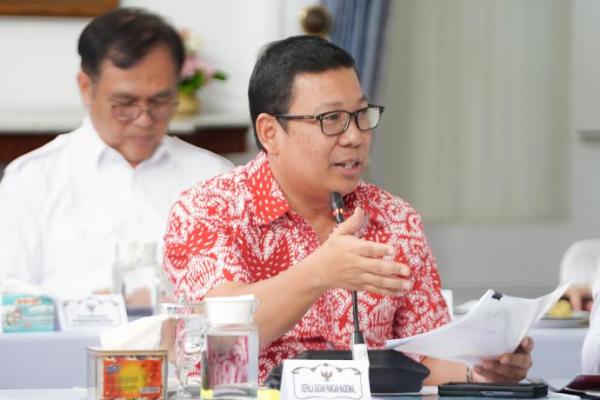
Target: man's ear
(267,131)
(84,81)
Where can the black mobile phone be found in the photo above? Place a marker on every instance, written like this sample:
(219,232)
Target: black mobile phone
(506,390)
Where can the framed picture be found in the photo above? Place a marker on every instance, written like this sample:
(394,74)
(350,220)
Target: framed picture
(56,8)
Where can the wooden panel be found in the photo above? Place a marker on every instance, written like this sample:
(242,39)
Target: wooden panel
(219,140)
(13,146)
(73,8)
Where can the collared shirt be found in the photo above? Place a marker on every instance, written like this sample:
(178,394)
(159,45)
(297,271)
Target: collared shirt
(64,206)
(239,227)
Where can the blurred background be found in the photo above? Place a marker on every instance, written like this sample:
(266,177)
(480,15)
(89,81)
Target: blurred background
(491,128)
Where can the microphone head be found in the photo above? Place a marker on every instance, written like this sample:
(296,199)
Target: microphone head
(336,201)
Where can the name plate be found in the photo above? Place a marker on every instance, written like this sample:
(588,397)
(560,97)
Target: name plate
(91,312)
(324,379)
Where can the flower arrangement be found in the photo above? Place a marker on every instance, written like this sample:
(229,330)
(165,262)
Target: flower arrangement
(195,73)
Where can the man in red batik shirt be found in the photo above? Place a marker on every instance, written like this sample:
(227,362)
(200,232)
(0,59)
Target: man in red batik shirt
(266,228)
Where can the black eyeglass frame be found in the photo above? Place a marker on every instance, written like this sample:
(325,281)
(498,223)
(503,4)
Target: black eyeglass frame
(320,117)
(141,109)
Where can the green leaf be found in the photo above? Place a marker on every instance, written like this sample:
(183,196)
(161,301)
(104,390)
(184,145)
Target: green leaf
(220,75)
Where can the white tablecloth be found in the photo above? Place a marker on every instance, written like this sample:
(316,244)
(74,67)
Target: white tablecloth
(557,353)
(58,359)
(43,394)
(44,359)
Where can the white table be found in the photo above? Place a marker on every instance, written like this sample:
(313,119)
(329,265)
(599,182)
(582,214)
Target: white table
(76,394)
(58,359)
(45,394)
(557,353)
(44,359)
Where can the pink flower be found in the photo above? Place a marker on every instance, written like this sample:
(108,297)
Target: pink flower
(207,70)
(189,67)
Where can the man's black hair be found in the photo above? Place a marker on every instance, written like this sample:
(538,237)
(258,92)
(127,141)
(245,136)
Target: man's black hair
(125,36)
(273,76)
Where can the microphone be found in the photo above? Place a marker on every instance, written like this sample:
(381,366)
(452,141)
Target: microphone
(359,347)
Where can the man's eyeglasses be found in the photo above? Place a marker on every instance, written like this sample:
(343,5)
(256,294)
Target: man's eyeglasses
(336,122)
(130,112)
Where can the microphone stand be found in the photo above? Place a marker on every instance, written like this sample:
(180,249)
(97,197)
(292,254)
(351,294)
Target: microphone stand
(359,347)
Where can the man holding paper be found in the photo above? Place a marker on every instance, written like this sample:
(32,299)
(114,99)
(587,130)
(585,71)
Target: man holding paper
(267,228)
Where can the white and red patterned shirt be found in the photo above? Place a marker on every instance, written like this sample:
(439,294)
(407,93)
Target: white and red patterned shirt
(239,227)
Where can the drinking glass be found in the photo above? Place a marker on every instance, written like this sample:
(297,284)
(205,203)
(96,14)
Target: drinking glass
(183,334)
(230,357)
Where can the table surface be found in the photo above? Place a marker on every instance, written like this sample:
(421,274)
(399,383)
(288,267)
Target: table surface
(80,394)
(557,353)
(59,358)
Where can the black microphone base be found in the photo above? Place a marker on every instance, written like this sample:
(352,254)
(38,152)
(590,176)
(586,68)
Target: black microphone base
(389,371)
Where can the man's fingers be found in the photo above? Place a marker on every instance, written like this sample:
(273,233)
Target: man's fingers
(490,375)
(526,346)
(575,300)
(351,225)
(374,250)
(509,367)
(394,284)
(517,360)
(493,371)
(381,267)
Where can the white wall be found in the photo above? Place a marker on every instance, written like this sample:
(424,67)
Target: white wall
(523,258)
(39,55)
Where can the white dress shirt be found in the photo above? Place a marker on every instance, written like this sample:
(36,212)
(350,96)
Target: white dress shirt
(590,353)
(581,262)
(64,206)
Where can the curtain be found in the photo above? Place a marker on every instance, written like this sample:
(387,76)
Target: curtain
(359,26)
(476,124)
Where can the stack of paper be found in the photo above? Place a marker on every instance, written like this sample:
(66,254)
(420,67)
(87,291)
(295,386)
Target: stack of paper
(496,325)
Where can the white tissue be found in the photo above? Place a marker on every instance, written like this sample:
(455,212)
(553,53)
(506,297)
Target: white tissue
(141,334)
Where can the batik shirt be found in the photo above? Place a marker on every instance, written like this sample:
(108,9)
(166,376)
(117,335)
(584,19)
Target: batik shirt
(239,227)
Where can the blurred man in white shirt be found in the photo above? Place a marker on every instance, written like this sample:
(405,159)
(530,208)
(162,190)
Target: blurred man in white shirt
(590,354)
(64,206)
(579,265)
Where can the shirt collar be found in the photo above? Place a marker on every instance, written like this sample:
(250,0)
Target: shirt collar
(91,144)
(269,202)
(96,150)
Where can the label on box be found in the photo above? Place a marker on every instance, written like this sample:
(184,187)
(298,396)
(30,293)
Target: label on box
(92,312)
(27,313)
(132,377)
(325,379)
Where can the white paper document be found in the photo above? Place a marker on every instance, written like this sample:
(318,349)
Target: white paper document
(495,325)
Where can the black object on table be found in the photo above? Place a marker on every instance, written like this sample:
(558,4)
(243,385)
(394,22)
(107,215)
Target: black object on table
(389,371)
(503,390)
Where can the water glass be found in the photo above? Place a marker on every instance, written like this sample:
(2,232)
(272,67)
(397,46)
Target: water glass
(230,358)
(189,344)
(183,334)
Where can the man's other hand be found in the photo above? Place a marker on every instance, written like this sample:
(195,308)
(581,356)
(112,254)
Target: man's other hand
(509,367)
(580,297)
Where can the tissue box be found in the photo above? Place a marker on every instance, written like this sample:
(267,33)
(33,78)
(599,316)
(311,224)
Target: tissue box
(27,313)
(127,374)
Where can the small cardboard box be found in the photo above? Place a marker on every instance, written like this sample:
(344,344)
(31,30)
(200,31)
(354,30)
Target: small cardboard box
(127,374)
(27,313)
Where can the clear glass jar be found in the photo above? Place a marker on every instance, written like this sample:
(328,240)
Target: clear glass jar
(183,333)
(230,357)
(136,275)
